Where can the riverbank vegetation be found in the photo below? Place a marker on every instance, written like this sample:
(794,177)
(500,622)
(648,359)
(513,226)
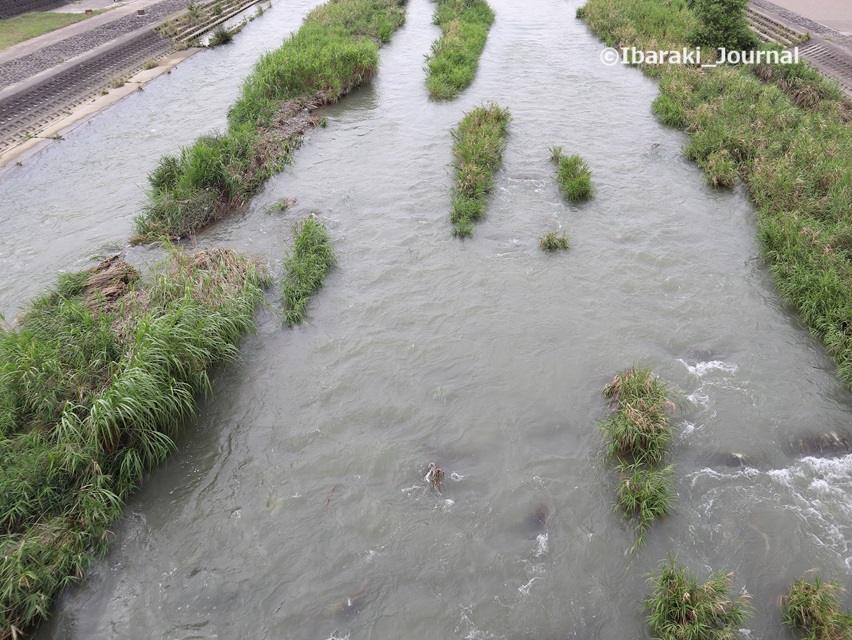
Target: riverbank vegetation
(637,437)
(572,174)
(785,132)
(305,268)
(334,52)
(813,606)
(455,55)
(95,383)
(681,608)
(721,23)
(554,241)
(478,145)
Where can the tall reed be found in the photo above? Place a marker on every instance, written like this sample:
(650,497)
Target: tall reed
(681,608)
(95,383)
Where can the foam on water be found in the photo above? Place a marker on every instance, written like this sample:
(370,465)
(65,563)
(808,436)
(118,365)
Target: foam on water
(542,544)
(700,369)
(816,490)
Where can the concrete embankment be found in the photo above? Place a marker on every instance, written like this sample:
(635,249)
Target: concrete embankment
(57,80)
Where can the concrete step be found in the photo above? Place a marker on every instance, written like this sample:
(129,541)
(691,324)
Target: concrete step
(771,30)
(237,7)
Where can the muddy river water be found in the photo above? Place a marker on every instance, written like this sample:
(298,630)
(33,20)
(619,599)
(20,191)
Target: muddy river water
(295,506)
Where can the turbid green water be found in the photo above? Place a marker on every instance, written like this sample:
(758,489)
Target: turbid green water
(301,485)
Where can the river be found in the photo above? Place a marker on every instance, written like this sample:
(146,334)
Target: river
(300,491)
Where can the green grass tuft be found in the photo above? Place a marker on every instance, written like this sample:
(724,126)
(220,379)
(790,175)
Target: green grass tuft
(645,495)
(554,241)
(572,174)
(478,144)
(813,606)
(455,56)
(305,269)
(639,431)
(681,608)
(637,437)
(220,36)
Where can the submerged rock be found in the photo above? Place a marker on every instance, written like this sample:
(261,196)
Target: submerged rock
(352,604)
(731,459)
(536,521)
(821,445)
(702,354)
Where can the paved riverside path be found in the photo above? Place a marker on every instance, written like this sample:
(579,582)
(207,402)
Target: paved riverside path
(29,58)
(836,14)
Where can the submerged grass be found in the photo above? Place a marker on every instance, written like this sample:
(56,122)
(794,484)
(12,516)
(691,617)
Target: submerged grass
(573,175)
(637,437)
(681,608)
(335,51)
(478,144)
(305,269)
(554,241)
(785,132)
(813,606)
(455,55)
(94,384)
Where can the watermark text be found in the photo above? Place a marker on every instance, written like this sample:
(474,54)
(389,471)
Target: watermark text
(692,57)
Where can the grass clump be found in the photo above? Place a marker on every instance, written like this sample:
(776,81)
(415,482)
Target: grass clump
(478,144)
(681,608)
(645,494)
(572,174)
(305,269)
(637,437)
(220,36)
(335,51)
(813,606)
(554,241)
(639,431)
(784,132)
(555,153)
(455,55)
(95,383)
